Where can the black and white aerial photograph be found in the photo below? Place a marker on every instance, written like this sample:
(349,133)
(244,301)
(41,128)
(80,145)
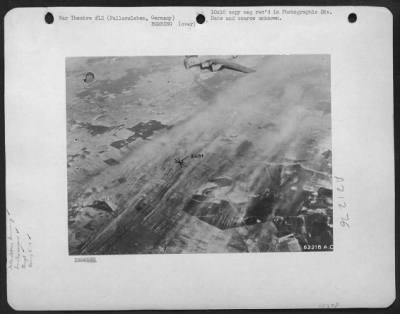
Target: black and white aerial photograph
(199,154)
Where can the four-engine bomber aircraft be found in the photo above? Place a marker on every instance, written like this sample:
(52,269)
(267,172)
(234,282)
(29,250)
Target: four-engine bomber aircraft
(214,64)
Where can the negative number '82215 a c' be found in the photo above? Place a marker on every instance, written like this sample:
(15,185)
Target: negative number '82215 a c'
(317,247)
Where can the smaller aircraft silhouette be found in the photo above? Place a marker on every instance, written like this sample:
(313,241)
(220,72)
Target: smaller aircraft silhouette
(181,162)
(215,64)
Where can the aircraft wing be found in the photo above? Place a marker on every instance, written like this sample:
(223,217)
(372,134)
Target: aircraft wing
(232,65)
